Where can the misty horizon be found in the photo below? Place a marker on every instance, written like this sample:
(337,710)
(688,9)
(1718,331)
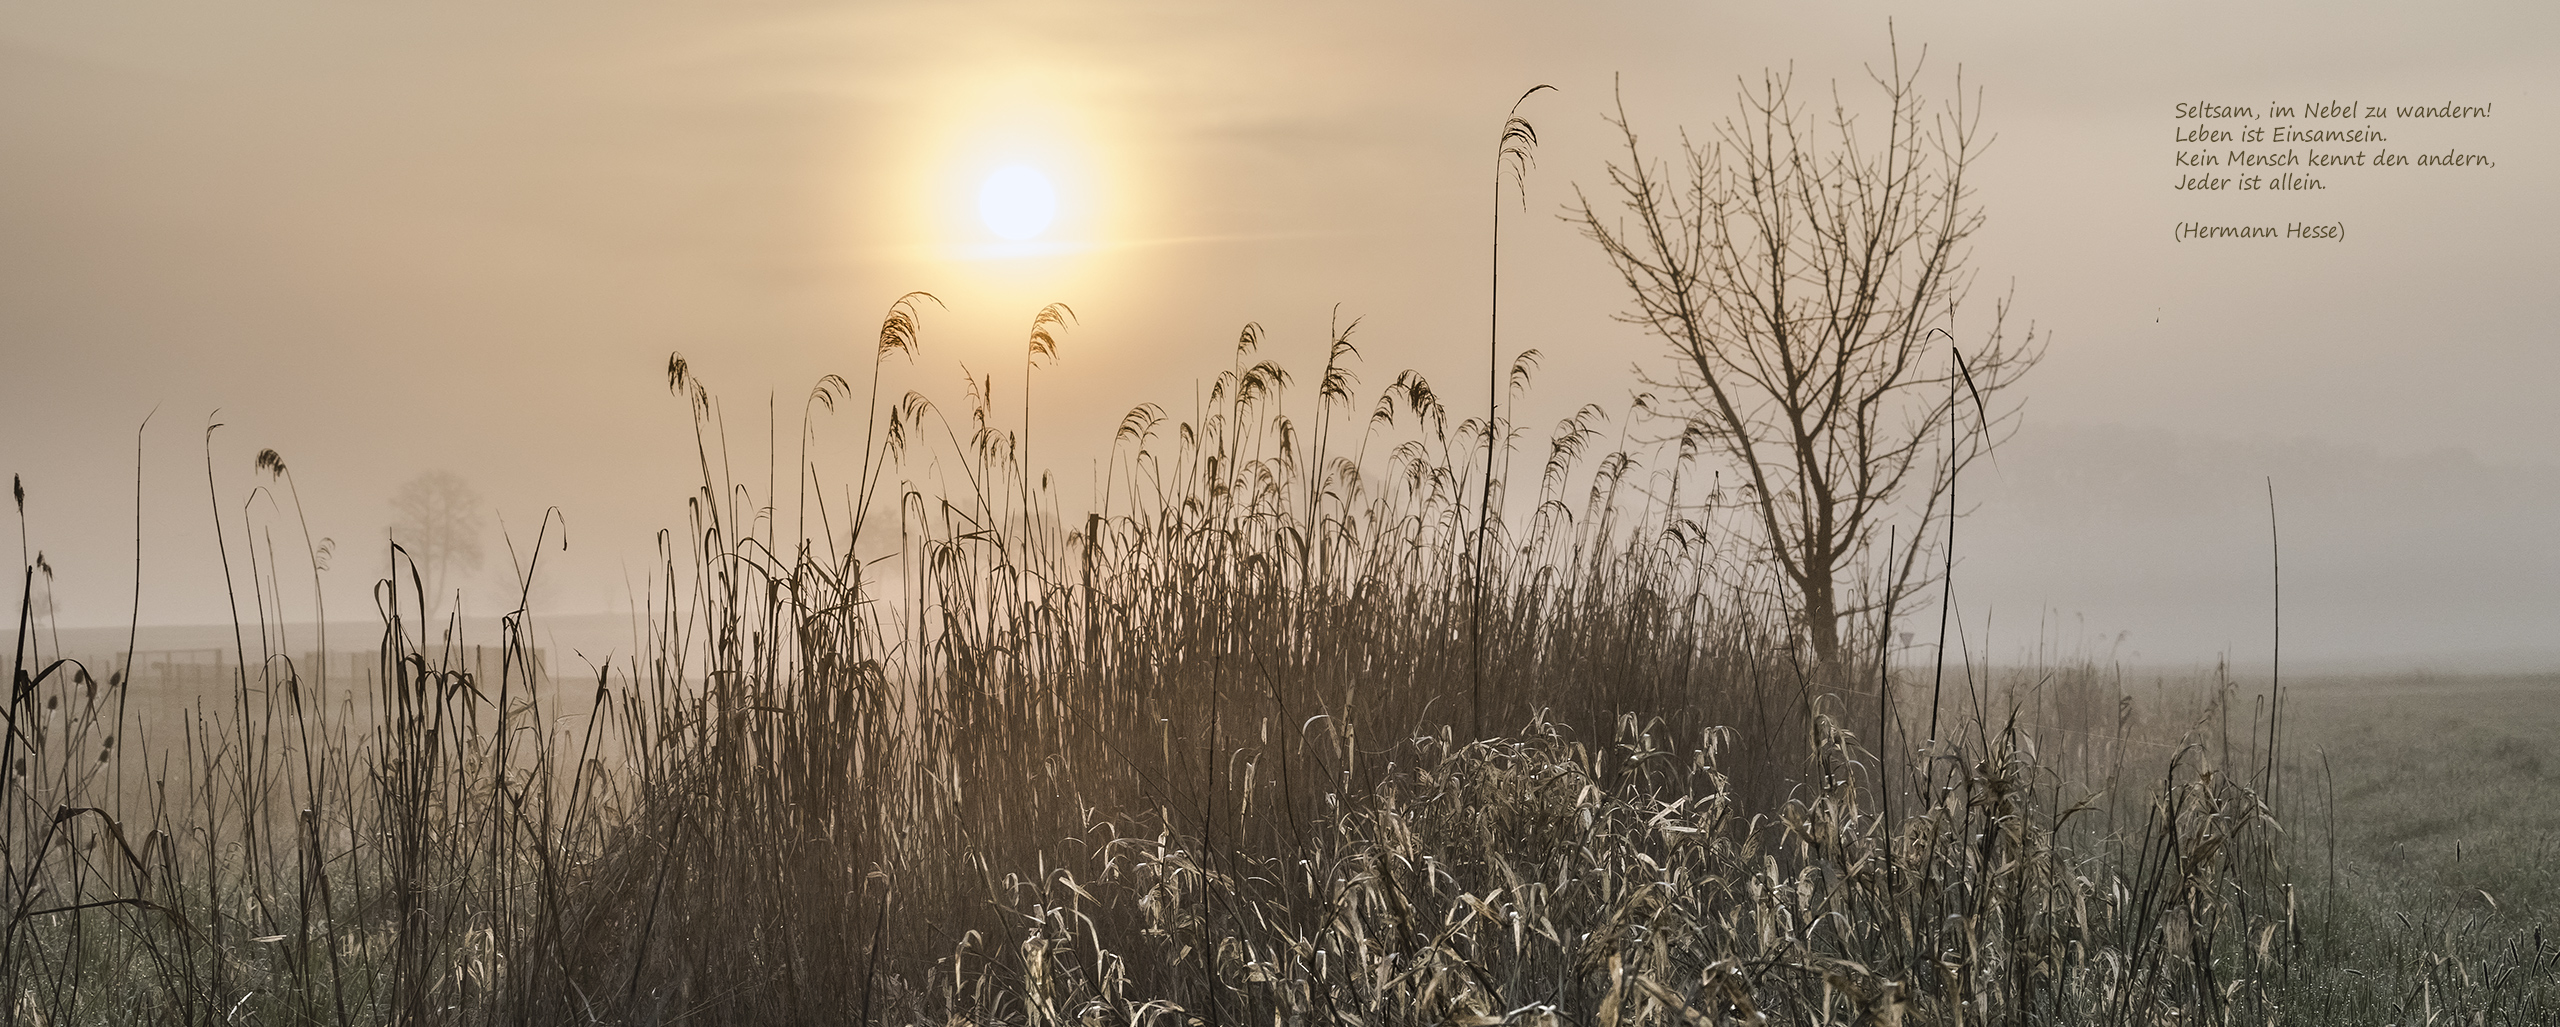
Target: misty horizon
(474,249)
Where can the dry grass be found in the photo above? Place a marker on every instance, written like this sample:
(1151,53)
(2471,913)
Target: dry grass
(953,756)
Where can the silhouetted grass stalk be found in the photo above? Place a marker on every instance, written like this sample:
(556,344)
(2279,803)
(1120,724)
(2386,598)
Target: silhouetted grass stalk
(1192,755)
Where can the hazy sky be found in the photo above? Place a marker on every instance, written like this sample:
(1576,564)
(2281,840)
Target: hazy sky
(383,239)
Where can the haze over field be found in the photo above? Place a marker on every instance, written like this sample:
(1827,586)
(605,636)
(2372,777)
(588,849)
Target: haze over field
(1023,535)
(386,241)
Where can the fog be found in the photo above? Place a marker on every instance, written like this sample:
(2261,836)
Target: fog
(383,242)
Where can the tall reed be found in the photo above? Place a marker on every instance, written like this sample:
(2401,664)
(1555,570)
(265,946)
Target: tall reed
(1192,755)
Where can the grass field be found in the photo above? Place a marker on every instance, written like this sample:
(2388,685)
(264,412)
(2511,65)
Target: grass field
(2447,795)
(1210,755)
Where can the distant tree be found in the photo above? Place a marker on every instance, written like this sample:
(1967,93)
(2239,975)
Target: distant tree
(1798,265)
(440,524)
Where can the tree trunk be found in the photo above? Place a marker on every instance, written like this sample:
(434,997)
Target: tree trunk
(1821,611)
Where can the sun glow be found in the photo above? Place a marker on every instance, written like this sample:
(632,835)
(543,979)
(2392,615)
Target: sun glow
(1011,183)
(1017,203)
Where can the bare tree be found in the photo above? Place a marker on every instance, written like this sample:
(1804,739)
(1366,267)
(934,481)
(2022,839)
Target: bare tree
(440,525)
(1799,265)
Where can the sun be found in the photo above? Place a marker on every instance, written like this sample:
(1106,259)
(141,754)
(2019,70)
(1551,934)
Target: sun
(1017,202)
